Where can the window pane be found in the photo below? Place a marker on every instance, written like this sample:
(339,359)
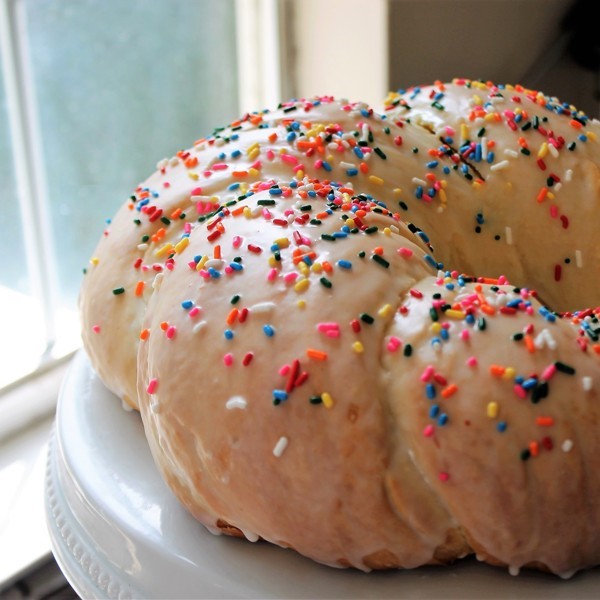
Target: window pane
(118,86)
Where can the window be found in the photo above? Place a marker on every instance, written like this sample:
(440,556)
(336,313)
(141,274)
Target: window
(92,94)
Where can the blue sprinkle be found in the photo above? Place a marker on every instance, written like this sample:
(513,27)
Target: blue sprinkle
(364,112)
(222,156)
(228,334)
(295,126)
(187,304)
(312,193)
(442,419)
(197,258)
(236,266)
(478,153)
(339,234)
(470,319)
(432,164)
(345,229)
(450,286)
(519,379)
(275,191)
(280,395)
(501,427)
(582,137)
(430,260)
(444,334)
(430,391)
(358,152)
(233,186)
(269,330)
(214,273)
(419,192)
(529,383)
(291,136)
(351,172)
(344,264)
(434,411)
(480,219)
(234,137)
(326,165)
(490,157)
(423,236)
(236,153)
(446,170)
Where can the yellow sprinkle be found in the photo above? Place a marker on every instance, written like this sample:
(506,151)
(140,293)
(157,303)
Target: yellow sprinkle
(455,314)
(252,148)
(201,263)
(327,400)
(301,304)
(303,268)
(509,373)
(300,174)
(254,154)
(247,212)
(489,117)
(273,262)
(464,132)
(350,223)
(385,310)
(182,244)
(492,410)
(397,191)
(282,242)
(163,250)
(358,347)
(443,196)
(543,150)
(592,136)
(435,327)
(476,185)
(193,175)
(316,268)
(253,172)
(301,286)
(477,100)
(376,180)
(387,231)
(94,260)
(329,158)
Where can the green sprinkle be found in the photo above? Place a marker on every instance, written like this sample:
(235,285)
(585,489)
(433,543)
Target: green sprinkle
(370,230)
(366,318)
(235,299)
(327,237)
(481,324)
(362,254)
(118,291)
(407,350)
(315,400)
(563,368)
(380,153)
(165,220)
(525,455)
(433,314)
(266,202)
(380,261)
(145,238)
(325,282)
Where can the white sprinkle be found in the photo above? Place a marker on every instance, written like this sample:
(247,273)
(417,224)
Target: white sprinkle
(365,132)
(157,281)
(553,150)
(539,342)
(418,181)
(142,246)
(236,402)
(587,383)
(549,339)
(214,263)
(280,446)
(483,148)
(126,407)
(256,211)
(347,165)
(174,161)
(568,174)
(558,187)
(510,152)
(567,446)
(509,237)
(514,571)
(394,228)
(199,326)
(263,307)
(500,166)
(155,407)
(578,259)
(161,164)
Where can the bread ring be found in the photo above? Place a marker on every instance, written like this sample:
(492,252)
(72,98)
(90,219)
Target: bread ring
(308,373)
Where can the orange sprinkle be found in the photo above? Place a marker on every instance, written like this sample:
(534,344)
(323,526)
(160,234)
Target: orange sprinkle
(497,370)
(449,390)
(575,123)
(327,267)
(487,309)
(364,167)
(191,162)
(232,316)
(139,288)
(175,214)
(273,137)
(316,354)
(236,212)
(378,250)
(164,325)
(217,251)
(144,334)
(239,174)
(542,194)
(529,343)
(544,421)
(534,448)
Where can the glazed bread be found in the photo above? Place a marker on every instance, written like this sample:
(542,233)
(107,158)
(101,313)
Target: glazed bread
(312,310)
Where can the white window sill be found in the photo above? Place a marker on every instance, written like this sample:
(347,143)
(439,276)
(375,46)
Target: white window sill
(24,434)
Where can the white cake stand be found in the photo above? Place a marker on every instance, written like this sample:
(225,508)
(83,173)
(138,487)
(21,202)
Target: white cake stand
(118,532)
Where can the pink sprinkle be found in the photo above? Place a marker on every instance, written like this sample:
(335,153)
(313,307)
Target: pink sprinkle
(187,227)
(427,373)
(471,361)
(549,372)
(228,359)
(270,155)
(204,273)
(152,385)
(237,241)
(449,130)
(194,311)
(393,344)
(289,159)
(220,166)
(266,213)
(429,430)
(501,280)
(405,252)
(196,192)
(289,278)
(299,167)
(96,328)
(465,336)
(284,370)
(444,476)
(520,391)
(318,163)
(272,274)
(170,333)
